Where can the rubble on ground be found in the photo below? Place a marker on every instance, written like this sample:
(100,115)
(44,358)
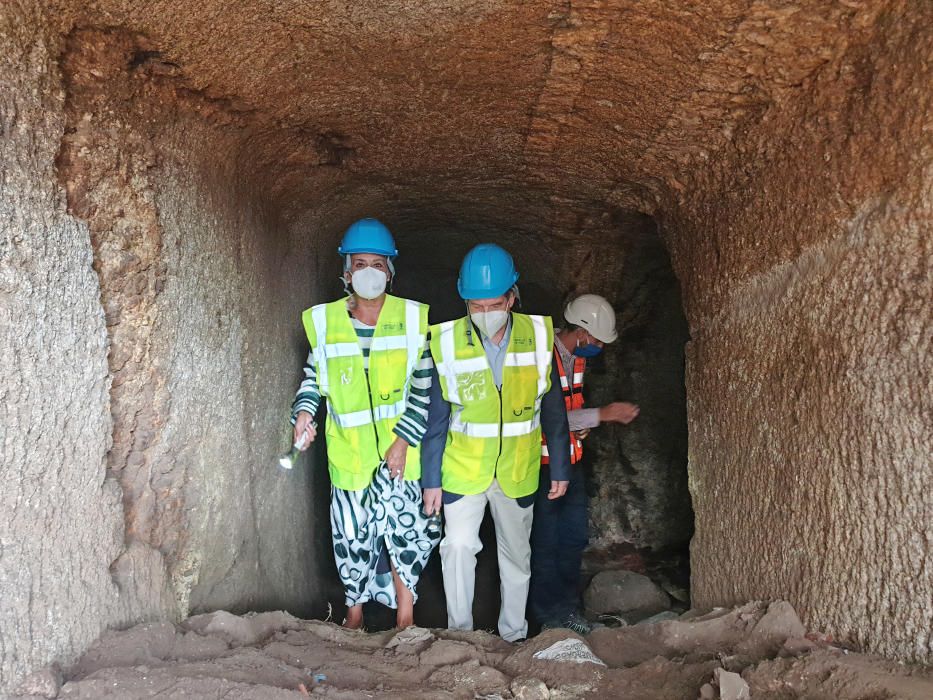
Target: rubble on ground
(757,650)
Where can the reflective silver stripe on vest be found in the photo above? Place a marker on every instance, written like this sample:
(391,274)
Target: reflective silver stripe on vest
(448,360)
(319,317)
(525,427)
(351,420)
(388,342)
(360,418)
(491,430)
(474,364)
(390,410)
(542,355)
(475,430)
(520,359)
(341,349)
(414,339)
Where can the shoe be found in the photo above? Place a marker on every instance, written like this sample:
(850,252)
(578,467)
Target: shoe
(575,622)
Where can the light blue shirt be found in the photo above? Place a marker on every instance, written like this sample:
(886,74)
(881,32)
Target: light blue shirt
(495,352)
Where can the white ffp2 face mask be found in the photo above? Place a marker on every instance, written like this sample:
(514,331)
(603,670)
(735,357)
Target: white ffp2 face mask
(490,322)
(369,282)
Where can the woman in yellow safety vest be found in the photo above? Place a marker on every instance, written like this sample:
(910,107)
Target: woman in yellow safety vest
(370,360)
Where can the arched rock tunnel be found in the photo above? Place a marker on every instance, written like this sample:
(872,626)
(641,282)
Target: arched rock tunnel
(751,177)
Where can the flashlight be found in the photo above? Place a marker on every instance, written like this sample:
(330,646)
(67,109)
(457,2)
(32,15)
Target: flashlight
(288,460)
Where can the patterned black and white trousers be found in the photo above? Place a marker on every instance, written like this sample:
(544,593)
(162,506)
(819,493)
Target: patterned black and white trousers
(371,527)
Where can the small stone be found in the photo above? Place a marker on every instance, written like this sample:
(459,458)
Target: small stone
(731,685)
(448,652)
(660,617)
(410,640)
(707,692)
(799,646)
(529,689)
(44,684)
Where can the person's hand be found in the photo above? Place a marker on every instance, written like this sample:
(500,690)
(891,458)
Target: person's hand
(619,412)
(304,422)
(581,434)
(433,498)
(395,458)
(558,489)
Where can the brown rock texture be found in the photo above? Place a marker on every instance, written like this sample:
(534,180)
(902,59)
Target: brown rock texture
(61,522)
(174,180)
(275,655)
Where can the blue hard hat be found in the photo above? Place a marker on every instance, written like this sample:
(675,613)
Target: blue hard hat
(487,271)
(368,236)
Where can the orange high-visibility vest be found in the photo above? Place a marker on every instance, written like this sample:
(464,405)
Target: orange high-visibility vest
(573,399)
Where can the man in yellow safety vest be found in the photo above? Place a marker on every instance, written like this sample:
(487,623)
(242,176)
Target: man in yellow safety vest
(496,392)
(370,361)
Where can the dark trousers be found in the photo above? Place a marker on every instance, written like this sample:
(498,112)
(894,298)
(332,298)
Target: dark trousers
(558,537)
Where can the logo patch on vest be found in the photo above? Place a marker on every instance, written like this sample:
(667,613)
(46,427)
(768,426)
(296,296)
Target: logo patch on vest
(472,386)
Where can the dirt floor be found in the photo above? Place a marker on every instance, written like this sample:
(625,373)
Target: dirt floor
(754,651)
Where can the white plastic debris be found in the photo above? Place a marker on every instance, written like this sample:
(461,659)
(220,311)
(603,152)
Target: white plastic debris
(574,650)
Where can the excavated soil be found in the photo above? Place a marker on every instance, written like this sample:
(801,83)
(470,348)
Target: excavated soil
(274,655)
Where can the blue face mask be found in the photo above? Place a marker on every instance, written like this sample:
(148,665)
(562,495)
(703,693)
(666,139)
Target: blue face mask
(587,351)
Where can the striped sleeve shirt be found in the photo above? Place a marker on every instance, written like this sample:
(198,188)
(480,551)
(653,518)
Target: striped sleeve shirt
(414,421)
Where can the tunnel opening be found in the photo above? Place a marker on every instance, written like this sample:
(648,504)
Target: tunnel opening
(640,513)
(201,266)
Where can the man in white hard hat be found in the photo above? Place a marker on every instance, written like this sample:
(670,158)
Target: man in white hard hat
(559,535)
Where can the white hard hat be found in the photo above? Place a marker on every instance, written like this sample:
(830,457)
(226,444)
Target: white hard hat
(593,313)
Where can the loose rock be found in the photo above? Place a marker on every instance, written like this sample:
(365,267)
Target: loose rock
(529,689)
(731,685)
(44,684)
(626,592)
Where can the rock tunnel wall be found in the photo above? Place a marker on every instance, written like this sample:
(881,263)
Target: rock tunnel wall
(202,283)
(151,351)
(809,287)
(62,523)
(172,189)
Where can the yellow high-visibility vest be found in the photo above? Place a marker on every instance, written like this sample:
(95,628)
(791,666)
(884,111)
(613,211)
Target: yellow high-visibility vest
(493,433)
(363,409)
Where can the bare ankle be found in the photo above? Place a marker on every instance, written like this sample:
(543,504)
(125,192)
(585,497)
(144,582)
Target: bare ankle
(405,616)
(354,619)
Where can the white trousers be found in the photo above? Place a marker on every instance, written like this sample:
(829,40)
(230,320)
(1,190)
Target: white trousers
(459,548)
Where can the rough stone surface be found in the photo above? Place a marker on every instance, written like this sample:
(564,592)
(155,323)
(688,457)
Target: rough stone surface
(809,367)
(195,278)
(748,633)
(211,153)
(529,689)
(624,592)
(61,522)
(639,470)
(731,685)
(44,684)
(327,661)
